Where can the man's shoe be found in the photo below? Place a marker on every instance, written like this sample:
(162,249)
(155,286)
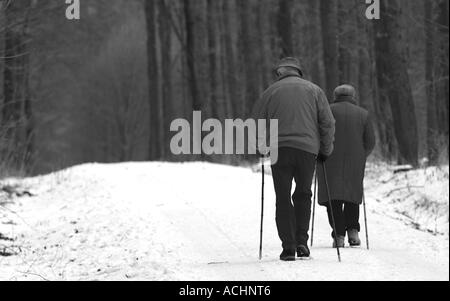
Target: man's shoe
(340,241)
(353,238)
(303,252)
(287,255)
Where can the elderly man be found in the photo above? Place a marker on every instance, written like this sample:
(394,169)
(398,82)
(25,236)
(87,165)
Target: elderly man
(305,133)
(354,141)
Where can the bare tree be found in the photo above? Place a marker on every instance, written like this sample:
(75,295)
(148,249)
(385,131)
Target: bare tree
(248,60)
(17,114)
(155,99)
(432,121)
(393,80)
(284,25)
(329,20)
(442,73)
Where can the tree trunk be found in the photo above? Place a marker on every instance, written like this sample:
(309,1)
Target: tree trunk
(230,55)
(264,58)
(365,90)
(442,75)
(166,111)
(195,53)
(432,121)
(284,26)
(329,20)
(348,43)
(224,99)
(380,106)
(248,61)
(314,43)
(216,111)
(2,63)
(17,114)
(393,80)
(154,81)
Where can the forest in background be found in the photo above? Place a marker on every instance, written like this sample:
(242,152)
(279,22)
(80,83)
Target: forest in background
(105,88)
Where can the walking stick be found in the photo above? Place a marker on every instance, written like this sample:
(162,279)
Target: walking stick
(331,210)
(314,206)
(365,221)
(262,210)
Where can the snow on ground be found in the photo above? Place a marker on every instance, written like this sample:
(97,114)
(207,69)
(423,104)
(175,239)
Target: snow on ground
(199,221)
(419,198)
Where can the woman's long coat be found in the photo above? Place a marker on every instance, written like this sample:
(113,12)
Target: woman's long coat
(354,141)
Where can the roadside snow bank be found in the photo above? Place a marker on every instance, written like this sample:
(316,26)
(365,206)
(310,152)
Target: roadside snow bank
(419,198)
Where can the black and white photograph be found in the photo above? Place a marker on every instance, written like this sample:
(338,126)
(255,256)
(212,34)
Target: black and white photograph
(224,141)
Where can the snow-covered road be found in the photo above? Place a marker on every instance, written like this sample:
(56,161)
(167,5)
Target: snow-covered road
(193,221)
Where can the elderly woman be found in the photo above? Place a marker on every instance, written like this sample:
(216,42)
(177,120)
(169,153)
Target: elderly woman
(354,141)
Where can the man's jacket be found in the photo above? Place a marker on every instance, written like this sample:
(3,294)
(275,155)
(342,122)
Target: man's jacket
(305,120)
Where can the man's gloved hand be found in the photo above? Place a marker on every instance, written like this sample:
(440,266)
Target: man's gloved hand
(322,158)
